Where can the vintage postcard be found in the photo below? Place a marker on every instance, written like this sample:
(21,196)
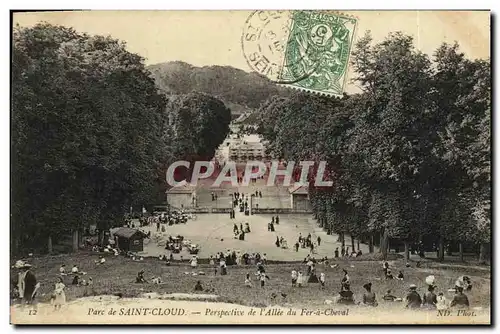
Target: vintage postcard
(251,167)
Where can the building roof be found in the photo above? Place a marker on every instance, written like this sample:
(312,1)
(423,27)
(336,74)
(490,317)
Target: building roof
(185,189)
(126,232)
(299,189)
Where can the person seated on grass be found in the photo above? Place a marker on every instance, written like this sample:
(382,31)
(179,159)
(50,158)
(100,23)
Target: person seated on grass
(95,248)
(248,282)
(140,277)
(156,280)
(400,277)
(198,286)
(359,253)
(75,270)
(460,299)
(413,299)
(430,298)
(101,260)
(62,270)
(389,297)
(369,297)
(464,282)
(346,296)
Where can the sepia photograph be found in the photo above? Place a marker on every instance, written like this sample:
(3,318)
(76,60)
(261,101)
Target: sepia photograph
(250,167)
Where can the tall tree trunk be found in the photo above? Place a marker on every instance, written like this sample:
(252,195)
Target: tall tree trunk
(100,238)
(49,245)
(370,243)
(483,253)
(358,243)
(407,251)
(384,244)
(75,240)
(461,251)
(352,243)
(80,236)
(441,249)
(342,238)
(381,242)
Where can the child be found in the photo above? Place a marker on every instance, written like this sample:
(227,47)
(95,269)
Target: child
(263,280)
(441,302)
(400,276)
(194,262)
(248,282)
(322,280)
(294,278)
(300,279)
(59,295)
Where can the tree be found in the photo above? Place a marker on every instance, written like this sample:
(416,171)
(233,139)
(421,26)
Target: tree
(200,124)
(86,132)
(463,102)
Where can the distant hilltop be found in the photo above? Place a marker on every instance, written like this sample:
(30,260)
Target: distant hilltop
(241,91)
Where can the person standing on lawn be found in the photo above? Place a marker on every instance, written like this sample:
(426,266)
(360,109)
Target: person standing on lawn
(59,295)
(27,283)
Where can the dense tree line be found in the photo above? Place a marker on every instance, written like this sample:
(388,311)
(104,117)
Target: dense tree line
(409,155)
(91,134)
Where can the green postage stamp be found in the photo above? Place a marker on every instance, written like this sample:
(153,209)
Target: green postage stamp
(304,49)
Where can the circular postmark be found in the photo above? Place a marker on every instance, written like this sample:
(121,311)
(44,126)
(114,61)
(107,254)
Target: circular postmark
(264,42)
(305,49)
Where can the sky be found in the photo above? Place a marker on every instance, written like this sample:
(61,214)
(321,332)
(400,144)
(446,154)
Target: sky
(214,37)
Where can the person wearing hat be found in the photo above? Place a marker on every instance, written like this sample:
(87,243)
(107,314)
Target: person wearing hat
(430,298)
(345,279)
(369,298)
(413,299)
(27,283)
(460,299)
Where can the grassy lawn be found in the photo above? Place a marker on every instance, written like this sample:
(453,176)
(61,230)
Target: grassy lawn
(117,276)
(214,233)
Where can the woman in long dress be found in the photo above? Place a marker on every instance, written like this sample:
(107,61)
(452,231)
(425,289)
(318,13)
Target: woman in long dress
(194,262)
(59,294)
